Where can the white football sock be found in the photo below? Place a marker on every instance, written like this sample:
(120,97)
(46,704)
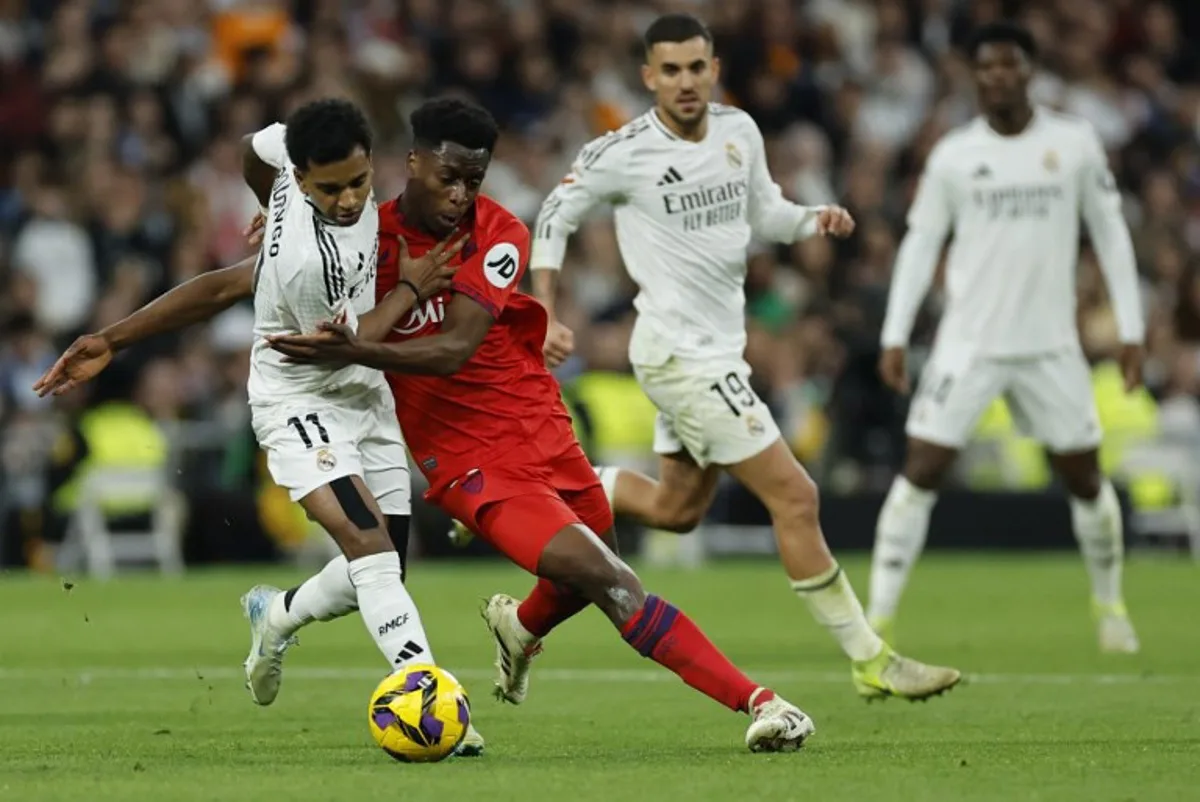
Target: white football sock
(388,611)
(324,596)
(899,538)
(833,603)
(1099,530)
(608,480)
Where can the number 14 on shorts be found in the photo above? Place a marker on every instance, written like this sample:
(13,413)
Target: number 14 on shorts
(735,392)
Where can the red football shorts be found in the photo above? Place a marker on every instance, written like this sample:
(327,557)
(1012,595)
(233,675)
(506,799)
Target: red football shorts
(518,506)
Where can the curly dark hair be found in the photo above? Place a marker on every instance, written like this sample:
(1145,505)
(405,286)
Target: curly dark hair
(326,131)
(1008,33)
(448,119)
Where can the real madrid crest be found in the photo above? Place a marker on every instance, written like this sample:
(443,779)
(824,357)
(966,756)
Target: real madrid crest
(1050,161)
(733,155)
(325,460)
(755,426)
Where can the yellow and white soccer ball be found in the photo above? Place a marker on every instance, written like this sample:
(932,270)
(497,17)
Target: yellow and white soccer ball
(419,714)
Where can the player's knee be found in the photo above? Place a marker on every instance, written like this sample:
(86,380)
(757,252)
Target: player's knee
(926,467)
(799,501)
(679,515)
(1083,483)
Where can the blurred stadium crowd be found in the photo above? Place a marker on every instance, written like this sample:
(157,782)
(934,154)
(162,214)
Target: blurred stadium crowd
(120,123)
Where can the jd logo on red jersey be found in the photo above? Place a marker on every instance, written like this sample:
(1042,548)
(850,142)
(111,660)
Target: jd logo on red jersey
(431,312)
(500,264)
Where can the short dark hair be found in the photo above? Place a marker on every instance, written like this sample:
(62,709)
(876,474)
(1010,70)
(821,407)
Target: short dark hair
(675,28)
(451,119)
(326,131)
(1008,33)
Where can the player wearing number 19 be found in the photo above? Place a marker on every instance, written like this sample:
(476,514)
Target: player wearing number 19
(689,184)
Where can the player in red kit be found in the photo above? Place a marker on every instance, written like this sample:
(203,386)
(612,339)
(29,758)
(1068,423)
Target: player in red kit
(483,417)
(484,420)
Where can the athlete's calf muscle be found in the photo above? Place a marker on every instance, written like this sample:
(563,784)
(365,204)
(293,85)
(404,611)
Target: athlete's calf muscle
(351,516)
(578,558)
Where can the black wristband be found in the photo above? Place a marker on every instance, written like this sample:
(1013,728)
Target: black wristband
(416,293)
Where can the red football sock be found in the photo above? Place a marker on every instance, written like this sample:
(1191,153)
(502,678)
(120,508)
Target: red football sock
(660,631)
(547,606)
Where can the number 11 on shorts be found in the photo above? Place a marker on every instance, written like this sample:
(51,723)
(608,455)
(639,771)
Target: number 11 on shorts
(302,430)
(733,389)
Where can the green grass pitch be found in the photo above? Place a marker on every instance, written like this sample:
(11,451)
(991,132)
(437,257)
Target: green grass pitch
(132,690)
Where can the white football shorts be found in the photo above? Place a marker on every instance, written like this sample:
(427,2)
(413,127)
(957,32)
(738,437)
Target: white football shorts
(707,409)
(1049,396)
(312,439)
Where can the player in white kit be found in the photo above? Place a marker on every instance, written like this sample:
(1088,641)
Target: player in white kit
(330,434)
(1011,185)
(689,185)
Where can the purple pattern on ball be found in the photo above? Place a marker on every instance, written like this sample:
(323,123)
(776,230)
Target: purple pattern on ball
(383,718)
(464,712)
(432,727)
(413,681)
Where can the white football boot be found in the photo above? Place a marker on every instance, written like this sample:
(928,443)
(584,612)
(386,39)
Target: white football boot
(471,745)
(515,648)
(1114,629)
(778,726)
(264,665)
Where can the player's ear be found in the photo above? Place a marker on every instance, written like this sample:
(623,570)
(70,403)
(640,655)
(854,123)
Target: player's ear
(716,69)
(648,76)
(299,176)
(411,162)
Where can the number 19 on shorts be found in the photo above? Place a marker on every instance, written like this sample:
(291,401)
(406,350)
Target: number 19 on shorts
(735,392)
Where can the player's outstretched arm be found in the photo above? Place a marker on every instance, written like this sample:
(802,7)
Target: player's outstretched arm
(775,218)
(191,302)
(466,324)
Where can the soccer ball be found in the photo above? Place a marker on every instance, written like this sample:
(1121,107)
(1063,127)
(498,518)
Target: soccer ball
(419,714)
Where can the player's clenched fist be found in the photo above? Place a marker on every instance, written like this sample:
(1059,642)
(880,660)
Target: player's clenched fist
(560,344)
(834,221)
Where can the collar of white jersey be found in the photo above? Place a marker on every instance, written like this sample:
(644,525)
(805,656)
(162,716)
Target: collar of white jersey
(325,219)
(662,127)
(1035,120)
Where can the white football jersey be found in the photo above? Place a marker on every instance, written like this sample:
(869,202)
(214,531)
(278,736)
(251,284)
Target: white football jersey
(309,270)
(684,213)
(1014,204)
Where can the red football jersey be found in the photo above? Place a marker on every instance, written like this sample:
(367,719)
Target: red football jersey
(503,401)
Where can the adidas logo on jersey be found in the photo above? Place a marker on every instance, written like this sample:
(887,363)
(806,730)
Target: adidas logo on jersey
(982,171)
(671,176)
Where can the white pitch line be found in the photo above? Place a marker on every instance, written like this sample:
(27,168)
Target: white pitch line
(581,675)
